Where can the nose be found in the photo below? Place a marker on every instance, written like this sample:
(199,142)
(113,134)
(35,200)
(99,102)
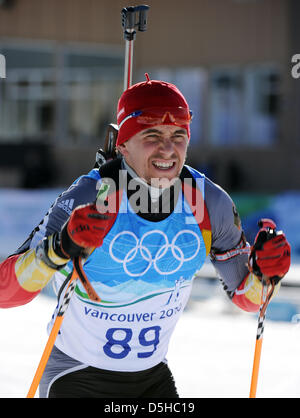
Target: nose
(167,147)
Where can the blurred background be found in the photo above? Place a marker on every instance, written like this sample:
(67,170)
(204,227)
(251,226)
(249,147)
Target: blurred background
(232,59)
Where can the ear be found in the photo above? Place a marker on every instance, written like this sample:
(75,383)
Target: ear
(122,149)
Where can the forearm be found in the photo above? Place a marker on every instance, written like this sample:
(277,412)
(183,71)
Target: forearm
(23,276)
(242,287)
(11,292)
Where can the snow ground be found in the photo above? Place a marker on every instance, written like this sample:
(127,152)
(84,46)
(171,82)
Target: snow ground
(210,354)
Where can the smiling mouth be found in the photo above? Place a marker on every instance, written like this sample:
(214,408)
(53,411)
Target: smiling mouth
(163,165)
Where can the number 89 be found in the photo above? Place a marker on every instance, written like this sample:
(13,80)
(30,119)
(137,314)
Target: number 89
(143,340)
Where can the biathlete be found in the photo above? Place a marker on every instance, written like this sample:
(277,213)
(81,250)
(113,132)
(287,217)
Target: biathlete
(144,224)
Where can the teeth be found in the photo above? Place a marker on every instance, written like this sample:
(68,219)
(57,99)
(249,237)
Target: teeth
(163,165)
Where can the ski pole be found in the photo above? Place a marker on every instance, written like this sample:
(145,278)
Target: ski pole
(267,231)
(132,17)
(265,299)
(129,23)
(52,337)
(77,273)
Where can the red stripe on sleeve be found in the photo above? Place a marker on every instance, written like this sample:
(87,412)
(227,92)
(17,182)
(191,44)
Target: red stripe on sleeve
(244,303)
(11,293)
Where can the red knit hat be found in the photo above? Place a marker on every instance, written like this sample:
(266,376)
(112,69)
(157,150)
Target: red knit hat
(150,103)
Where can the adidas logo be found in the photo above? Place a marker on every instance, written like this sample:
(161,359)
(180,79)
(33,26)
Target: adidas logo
(66,205)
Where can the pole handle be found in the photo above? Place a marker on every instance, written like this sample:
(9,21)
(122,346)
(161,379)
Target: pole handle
(134,17)
(143,12)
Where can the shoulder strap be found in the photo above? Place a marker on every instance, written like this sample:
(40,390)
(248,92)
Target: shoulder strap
(196,201)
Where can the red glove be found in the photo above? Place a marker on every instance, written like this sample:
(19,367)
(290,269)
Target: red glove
(274,259)
(271,252)
(86,228)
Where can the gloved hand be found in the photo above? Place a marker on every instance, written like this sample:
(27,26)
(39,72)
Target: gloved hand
(271,253)
(84,231)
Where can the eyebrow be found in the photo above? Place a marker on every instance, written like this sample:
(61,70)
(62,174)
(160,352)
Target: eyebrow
(155,131)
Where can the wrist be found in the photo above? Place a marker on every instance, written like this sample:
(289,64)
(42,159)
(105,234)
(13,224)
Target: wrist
(65,246)
(47,252)
(55,252)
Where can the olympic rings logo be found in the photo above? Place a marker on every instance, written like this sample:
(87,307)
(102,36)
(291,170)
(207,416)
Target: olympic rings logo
(152,260)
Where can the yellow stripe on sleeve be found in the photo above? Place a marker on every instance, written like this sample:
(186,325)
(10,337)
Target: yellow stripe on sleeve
(32,273)
(206,234)
(253,289)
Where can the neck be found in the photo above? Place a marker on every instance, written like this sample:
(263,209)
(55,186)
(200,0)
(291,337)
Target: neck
(159,202)
(154,192)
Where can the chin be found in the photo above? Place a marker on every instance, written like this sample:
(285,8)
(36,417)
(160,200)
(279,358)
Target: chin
(162,182)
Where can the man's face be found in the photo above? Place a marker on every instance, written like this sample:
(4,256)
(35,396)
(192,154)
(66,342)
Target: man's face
(157,154)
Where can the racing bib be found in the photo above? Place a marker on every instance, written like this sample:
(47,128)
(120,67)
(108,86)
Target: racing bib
(143,274)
